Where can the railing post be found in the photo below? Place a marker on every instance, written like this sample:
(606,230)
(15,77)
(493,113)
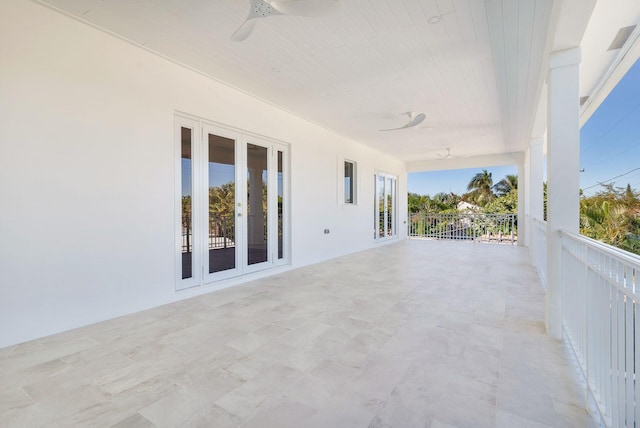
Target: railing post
(224,231)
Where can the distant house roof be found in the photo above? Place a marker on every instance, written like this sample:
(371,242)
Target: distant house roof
(466,206)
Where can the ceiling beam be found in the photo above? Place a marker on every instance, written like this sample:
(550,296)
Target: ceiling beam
(470,162)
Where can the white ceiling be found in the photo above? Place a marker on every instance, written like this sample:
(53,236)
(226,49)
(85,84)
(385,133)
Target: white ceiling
(476,73)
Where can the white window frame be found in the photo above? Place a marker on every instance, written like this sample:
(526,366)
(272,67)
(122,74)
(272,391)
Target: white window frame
(341,182)
(195,279)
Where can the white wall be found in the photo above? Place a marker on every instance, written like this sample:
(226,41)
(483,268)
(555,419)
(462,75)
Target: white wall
(87,173)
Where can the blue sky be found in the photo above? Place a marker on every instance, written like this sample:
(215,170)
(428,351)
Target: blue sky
(610,140)
(455,180)
(609,147)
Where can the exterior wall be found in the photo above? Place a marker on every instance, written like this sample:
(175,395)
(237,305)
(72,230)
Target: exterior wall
(87,174)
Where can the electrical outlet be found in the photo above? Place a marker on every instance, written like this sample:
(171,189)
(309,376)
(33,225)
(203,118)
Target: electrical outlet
(326,231)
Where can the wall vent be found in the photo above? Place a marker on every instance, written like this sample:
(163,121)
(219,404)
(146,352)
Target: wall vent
(621,38)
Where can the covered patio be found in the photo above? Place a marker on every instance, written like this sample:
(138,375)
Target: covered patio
(412,334)
(129,127)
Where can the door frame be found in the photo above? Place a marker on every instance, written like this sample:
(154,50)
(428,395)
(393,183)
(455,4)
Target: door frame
(207,129)
(201,128)
(394,204)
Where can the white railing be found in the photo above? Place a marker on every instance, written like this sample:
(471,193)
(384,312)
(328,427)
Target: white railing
(602,324)
(539,248)
(501,228)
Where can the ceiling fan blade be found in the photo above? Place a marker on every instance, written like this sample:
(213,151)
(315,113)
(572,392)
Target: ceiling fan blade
(447,156)
(396,129)
(307,7)
(244,30)
(414,120)
(417,120)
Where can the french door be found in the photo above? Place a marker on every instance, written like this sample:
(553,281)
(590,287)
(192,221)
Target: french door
(232,189)
(385,206)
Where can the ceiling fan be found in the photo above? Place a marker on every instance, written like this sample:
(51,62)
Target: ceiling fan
(446,156)
(266,8)
(414,120)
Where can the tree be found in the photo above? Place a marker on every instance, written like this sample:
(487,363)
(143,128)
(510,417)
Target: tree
(222,200)
(480,188)
(505,204)
(186,221)
(419,203)
(446,201)
(506,185)
(612,216)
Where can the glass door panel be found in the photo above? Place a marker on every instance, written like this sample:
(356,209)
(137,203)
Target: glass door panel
(385,214)
(280,205)
(381,206)
(221,240)
(186,193)
(389,206)
(257,204)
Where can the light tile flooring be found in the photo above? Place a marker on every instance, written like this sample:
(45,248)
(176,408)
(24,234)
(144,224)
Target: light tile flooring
(414,334)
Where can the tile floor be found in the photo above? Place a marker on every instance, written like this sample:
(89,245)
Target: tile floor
(414,334)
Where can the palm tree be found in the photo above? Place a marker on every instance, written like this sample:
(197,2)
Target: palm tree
(481,187)
(222,200)
(446,201)
(506,185)
(611,216)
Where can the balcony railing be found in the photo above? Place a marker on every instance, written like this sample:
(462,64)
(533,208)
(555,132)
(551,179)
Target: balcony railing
(500,228)
(601,323)
(221,233)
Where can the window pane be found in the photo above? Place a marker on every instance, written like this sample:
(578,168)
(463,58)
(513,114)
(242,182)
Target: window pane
(381,213)
(390,187)
(280,206)
(257,204)
(348,182)
(222,204)
(187,189)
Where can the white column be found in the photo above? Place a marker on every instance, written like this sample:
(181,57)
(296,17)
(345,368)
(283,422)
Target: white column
(534,196)
(527,199)
(536,179)
(563,181)
(522,228)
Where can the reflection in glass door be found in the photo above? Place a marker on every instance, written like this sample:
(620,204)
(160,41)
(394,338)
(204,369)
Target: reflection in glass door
(280,202)
(390,216)
(257,204)
(381,207)
(221,242)
(186,189)
(385,213)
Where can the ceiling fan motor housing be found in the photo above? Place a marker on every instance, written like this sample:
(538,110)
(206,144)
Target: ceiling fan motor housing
(261,8)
